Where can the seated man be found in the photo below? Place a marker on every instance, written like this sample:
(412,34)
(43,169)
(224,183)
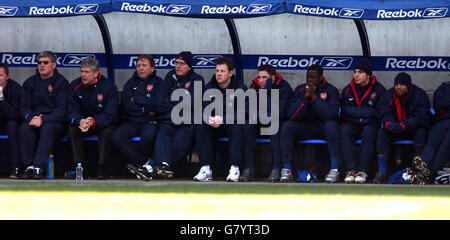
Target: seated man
(404,114)
(216,125)
(43,106)
(175,141)
(312,112)
(359,120)
(10,92)
(93,109)
(436,152)
(267,79)
(138,109)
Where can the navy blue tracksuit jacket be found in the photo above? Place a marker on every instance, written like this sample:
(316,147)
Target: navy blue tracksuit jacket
(359,117)
(172,83)
(174,142)
(145,97)
(359,104)
(10,119)
(251,131)
(206,135)
(315,117)
(411,112)
(99,101)
(437,150)
(323,107)
(47,97)
(10,106)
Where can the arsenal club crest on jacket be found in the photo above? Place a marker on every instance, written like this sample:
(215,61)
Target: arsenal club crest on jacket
(359,103)
(324,106)
(45,96)
(99,100)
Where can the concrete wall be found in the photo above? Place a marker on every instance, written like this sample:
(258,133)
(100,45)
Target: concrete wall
(282,34)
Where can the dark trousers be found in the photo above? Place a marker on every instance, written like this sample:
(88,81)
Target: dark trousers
(205,138)
(104,143)
(11,128)
(251,131)
(137,153)
(437,150)
(36,144)
(173,142)
(292,131)
(349,134)
(385,139)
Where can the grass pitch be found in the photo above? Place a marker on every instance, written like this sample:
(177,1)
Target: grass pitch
(130,199)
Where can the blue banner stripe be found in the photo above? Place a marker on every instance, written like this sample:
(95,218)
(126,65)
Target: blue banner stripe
(206,61)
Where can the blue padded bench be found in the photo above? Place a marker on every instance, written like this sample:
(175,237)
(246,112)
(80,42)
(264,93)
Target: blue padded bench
(94,138)
(314,141)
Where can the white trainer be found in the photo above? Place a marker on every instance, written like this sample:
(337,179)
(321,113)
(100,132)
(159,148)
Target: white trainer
(332,176)
(233,174)
(360,177)
(204,175)
(350,177)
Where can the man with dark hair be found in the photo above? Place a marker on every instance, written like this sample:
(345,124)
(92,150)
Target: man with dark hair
(359,119)
(139,107)
(175,141)
(404,113)
(436,152)
(10,92)
(312,112)
(216,125)
(93,109)
(268,79)
(43,106)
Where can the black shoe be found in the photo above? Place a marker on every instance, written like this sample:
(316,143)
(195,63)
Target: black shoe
(28,174)
(274,176)
(15,174)
(247,175)
(380,177)
(102,175)
(38,175)
(163,171)
(141,173)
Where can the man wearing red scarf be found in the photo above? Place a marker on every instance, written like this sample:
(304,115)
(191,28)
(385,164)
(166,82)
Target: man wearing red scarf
(359,104)
(404,113)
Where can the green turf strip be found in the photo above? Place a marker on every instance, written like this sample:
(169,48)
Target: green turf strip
(226,188)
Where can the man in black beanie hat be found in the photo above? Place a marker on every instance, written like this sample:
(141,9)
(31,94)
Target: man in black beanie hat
(404,114)
(175,141)
(359,104)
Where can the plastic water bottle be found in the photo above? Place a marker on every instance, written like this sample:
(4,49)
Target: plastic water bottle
(51,167)
(79,172)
